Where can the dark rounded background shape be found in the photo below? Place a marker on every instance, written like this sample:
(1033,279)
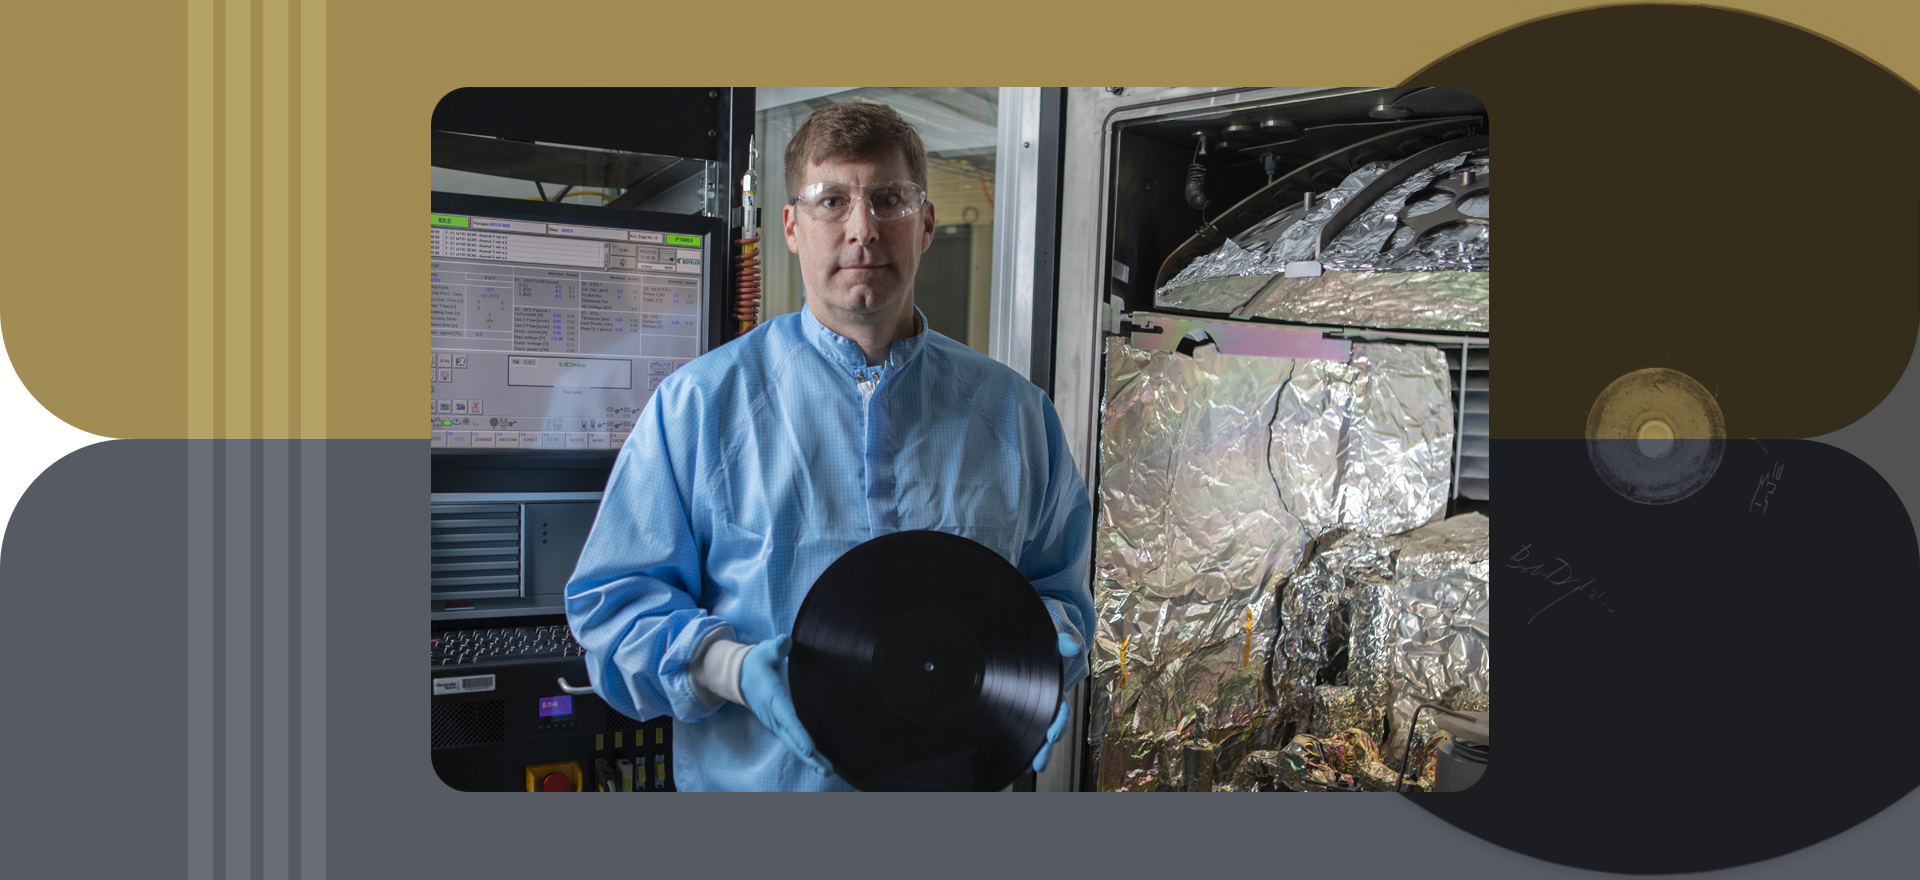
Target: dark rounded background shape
(1665,715)
(923,661)
(1700,188)
(1700,685)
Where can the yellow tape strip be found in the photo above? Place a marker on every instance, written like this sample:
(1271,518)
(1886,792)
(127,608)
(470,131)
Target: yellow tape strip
(1246,653)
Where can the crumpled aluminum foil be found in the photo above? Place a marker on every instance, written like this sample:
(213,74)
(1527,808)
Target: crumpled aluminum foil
(1411,613)
(1367,443)
(1275,242)
(1374,242)
(1216,473)
(1258,771)
(1226,295)
(1332,667)
(1344,761)
(1186,550)
(1440,622)
(1456,301)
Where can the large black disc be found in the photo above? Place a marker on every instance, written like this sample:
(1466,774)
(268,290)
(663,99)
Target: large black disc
(923,661)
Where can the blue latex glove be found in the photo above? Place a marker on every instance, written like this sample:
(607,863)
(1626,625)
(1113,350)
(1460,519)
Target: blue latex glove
(763,683)
(1068,648)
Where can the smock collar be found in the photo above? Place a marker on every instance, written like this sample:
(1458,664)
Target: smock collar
(843,352)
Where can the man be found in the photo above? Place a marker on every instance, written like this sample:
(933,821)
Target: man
(757,465)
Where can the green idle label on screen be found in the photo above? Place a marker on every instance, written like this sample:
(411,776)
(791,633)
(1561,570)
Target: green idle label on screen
(446,220)
(684,240)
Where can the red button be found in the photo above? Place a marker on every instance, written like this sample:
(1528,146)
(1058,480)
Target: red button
(556,782)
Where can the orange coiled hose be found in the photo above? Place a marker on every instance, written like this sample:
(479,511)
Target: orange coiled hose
(746,285)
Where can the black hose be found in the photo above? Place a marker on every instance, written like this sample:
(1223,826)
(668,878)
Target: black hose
(1197,186)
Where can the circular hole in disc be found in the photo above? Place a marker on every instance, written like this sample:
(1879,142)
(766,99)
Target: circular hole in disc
(1656,439)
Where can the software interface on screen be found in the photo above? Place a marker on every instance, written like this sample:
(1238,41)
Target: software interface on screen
(552,336)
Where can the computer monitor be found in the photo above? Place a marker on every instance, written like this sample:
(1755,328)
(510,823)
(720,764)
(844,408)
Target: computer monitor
(553,323)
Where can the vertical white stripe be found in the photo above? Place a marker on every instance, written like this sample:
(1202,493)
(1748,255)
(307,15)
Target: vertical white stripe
(239,220)
(200,672)
(313,218)
(237,725)
(274,661)
(199,310)
(199,215)
(313,660)
(274,220)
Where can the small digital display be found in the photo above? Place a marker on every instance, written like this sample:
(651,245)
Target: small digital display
(555,708)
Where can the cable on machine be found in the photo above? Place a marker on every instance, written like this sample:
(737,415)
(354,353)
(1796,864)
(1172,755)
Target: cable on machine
(1196,191)
(746,278)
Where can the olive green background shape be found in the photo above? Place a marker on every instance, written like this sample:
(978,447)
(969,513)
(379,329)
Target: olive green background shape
(213,224)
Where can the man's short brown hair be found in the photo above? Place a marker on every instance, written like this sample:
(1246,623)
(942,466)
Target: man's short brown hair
(853,131)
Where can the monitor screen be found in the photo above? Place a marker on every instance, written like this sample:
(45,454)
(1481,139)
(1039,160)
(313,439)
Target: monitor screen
(551,334)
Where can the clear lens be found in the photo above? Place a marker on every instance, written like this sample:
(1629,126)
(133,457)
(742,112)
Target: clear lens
(889,200)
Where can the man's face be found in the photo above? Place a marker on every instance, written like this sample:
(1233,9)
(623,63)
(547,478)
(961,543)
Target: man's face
(860,266)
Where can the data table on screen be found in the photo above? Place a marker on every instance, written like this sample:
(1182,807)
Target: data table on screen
(612,311)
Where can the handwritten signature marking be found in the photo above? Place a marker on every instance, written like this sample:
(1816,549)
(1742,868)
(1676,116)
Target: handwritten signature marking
(1769,481)
(1538,570)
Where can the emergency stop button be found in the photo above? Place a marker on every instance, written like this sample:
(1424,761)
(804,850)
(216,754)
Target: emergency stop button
(557,776)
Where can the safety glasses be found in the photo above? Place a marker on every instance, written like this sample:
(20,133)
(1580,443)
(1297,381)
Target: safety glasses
(888,200)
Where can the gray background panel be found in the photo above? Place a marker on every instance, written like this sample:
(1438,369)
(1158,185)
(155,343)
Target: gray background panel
(309,757)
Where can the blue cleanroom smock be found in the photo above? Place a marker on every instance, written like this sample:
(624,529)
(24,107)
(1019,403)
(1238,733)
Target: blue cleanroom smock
(757,465)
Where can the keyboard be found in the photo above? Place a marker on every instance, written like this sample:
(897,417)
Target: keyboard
(465,647)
